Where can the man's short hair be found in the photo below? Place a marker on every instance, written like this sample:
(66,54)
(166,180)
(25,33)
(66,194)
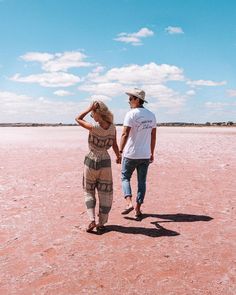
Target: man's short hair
(141,102)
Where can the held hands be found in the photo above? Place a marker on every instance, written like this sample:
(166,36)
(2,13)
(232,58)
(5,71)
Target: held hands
(118,159)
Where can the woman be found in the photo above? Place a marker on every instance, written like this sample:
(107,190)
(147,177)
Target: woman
(97,163)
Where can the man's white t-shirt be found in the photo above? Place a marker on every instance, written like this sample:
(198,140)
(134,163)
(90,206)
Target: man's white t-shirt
(138,145)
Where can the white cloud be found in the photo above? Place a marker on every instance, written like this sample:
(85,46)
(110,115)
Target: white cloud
(98,69)
(174,30)
(205,83)
(157,95)
(231,92)
(22,108)
(129,39)
(144,32)
(100,97)
(11,97)
(63,93)
(159,91)
(95,72)
(37,57)
(56,79)
(134,74)
(219,106)
(150,77)
(162,96)
(107,89)
(58,61)
(190,92)
(66,60)
(134,38)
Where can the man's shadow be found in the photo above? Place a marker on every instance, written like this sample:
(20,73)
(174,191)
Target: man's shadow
(179,217)
(159,231)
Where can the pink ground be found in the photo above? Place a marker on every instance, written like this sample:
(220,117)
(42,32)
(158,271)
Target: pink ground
(184,245)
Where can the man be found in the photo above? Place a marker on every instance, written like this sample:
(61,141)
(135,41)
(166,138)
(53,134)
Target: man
(137,148)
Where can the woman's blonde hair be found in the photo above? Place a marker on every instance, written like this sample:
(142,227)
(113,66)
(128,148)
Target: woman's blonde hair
(103,111)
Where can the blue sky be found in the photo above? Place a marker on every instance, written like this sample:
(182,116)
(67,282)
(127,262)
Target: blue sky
(56,56)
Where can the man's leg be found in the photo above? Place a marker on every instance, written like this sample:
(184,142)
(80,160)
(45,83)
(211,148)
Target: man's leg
(142,169)
(128,167)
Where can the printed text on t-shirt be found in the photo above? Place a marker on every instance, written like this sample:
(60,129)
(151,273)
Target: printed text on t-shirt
(145,124)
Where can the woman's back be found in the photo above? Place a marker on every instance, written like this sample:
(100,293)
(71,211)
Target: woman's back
(101,139)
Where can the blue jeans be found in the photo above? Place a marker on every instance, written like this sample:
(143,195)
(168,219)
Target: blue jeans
(128,167)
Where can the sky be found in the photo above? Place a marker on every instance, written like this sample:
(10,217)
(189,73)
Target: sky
(58,56)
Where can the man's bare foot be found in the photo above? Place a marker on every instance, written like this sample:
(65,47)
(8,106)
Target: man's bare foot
(138,209)
(129,207)
(127,210)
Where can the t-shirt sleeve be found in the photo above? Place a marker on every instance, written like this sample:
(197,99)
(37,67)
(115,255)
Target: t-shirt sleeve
(154,122)
(128,121)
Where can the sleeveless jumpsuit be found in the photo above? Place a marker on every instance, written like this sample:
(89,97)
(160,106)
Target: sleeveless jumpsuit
(97,172)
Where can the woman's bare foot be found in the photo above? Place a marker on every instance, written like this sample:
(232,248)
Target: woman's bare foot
(90,227)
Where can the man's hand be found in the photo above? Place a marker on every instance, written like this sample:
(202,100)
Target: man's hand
(151,159)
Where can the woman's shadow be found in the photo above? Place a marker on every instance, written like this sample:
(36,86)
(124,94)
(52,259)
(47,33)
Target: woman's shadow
(158,231)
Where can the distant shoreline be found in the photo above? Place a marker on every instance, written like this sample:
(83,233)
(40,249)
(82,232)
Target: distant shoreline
(170,124)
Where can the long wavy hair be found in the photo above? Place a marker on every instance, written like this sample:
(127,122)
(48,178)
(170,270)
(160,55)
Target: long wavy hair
(104,112)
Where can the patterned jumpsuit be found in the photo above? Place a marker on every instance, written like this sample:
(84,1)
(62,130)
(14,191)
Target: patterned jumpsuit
(97,172)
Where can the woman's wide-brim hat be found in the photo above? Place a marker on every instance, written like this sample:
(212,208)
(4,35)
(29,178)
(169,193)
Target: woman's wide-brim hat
(139,93)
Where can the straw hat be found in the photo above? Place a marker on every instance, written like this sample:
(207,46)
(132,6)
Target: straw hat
(139,93)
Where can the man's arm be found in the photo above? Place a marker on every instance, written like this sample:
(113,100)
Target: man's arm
(116,150)
(124,137)
(153,143)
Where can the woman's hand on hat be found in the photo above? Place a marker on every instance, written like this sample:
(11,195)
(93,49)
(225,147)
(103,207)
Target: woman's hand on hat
(93,106)
(90,108)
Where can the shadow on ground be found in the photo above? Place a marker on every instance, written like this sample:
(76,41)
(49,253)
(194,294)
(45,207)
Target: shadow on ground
(179,217)
(159,231)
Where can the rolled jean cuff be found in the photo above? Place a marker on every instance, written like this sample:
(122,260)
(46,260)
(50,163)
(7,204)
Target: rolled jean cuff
(126,196)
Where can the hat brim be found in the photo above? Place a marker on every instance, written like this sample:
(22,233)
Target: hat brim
(132,94)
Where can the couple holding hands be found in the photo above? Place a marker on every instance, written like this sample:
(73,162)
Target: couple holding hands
(136,151)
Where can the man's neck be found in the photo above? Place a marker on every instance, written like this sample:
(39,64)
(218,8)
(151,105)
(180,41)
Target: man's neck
(137,107)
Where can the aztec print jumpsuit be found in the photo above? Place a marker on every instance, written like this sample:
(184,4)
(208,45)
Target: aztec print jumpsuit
(97,172)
